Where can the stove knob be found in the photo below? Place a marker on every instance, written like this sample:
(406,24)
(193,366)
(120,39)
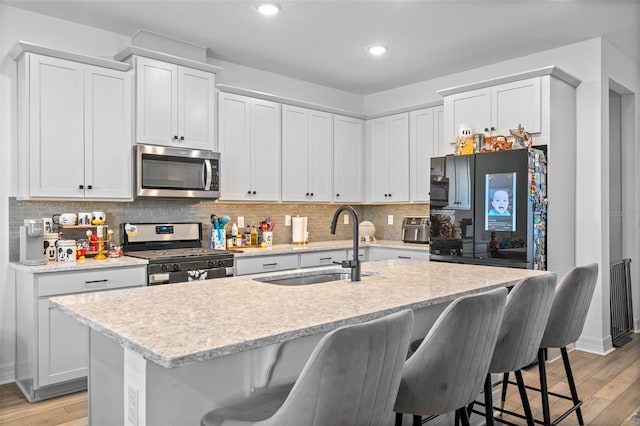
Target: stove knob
(176,267)
(164,267)
(220,262)
(210,263)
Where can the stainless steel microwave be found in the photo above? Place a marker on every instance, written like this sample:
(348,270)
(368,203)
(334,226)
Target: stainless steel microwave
(162,171)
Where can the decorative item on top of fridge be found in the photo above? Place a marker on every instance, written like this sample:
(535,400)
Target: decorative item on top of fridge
(465,143)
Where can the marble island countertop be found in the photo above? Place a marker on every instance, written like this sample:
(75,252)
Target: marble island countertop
(321,246)
(179,324)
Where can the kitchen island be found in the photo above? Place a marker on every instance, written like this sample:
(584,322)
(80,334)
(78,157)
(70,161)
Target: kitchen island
(168,354)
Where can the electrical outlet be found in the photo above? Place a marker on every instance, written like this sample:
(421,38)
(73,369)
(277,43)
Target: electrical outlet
(240,222)
(346,219)
(132,406)
(390,219)
(287,220)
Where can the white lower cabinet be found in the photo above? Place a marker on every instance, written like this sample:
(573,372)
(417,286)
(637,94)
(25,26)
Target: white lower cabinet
(52,349)
(387,253)
(261,264)
(322,258)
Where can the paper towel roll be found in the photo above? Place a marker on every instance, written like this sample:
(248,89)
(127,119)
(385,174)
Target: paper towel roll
(298,229)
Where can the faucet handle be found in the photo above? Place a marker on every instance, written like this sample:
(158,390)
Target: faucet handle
(349,263)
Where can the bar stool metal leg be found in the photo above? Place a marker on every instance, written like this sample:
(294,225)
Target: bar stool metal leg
(543,388)
(524,398)
(572,384)
(398,419)
(488,401)
(464,417)
(417,420)
(505,383)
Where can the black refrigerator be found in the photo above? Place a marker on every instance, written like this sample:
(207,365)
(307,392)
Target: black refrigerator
(490,208)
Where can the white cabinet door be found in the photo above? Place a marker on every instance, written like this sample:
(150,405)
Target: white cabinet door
(516,103)
(56,128)
(473,108)
(399,159)
(196,101)
(439,132)
(347,159)
(388,174)
(266,137)
(107,134)
(63,346)
(306,154)
(320,125)
(234,140)
(422,139)
(295,154)
(378,174)
(156,102)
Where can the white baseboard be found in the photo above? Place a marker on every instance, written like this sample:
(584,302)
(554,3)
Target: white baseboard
(636,326)
(7,373)
(595,346)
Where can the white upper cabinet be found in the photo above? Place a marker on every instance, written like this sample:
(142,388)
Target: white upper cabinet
(74,129)
(306,154)
(425,134)
(494,110)
(347,159)
(388,159)
(249,143)
(175,105)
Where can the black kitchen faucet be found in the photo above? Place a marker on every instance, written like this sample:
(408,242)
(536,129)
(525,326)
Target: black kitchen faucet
(353,264)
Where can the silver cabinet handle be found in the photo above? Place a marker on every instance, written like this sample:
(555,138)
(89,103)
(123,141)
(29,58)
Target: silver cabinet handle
(325,259)
(264,265)
(404,257)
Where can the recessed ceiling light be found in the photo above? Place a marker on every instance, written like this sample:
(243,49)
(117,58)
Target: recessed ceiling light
(268,9)
(377,50)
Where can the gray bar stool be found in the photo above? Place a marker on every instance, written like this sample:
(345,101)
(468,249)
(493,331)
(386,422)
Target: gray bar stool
(524,322)
(351,378)
(566,321)
(447,370)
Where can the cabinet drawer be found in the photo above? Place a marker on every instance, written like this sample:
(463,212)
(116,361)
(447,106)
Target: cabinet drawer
(90,280)
(322,258)
(385,253)
(259,265)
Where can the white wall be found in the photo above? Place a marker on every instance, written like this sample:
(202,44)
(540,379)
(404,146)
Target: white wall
(622,75)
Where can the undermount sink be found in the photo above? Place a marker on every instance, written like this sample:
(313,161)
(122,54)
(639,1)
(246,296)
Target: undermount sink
(305,278)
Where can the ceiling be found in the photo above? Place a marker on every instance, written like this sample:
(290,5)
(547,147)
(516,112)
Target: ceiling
(323,41)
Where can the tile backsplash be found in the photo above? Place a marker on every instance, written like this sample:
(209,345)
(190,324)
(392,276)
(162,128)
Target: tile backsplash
(184,210)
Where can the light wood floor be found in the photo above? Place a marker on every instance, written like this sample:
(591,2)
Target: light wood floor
(608,385)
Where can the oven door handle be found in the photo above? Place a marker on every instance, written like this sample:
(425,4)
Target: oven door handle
(208,175)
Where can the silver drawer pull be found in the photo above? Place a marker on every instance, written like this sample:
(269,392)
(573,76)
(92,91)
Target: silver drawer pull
(404,257)
(324,259)
(264,265)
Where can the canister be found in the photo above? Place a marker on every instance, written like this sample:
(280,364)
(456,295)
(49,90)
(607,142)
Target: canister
(66,250)
(49,242)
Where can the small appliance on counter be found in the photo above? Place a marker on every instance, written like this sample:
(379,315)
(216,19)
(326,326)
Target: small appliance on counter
(31,242)
(367,231)
(415,229)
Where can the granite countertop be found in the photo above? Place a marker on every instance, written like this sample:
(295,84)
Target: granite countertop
(322,246)
(179,324)
(90,263)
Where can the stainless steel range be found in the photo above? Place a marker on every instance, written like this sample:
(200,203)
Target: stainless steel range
(174,252)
